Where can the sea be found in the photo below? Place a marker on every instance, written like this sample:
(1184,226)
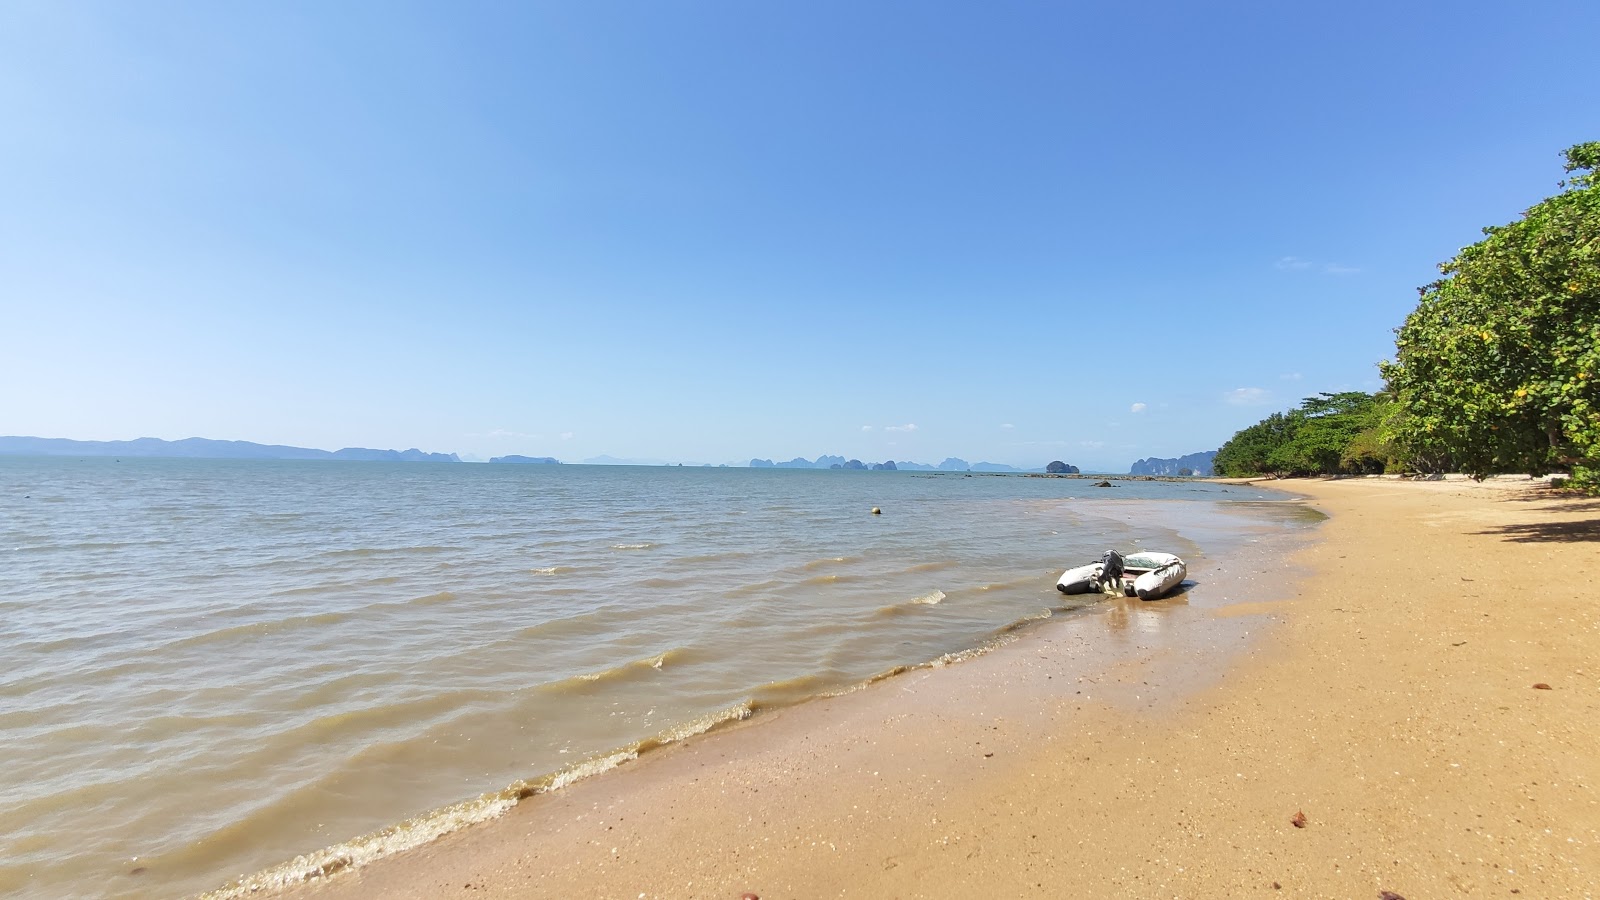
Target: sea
(220,675)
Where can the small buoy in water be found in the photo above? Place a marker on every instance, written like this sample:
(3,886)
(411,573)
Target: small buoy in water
(876,511)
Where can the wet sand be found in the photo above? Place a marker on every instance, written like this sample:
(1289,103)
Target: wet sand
(1153,750)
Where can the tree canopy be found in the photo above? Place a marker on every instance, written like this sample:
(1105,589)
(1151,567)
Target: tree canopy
(1496,370)
(1316,439)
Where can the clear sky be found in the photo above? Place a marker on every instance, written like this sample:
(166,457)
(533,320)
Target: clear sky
(690,231)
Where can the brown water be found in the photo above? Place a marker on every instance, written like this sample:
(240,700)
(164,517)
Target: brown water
(208,668)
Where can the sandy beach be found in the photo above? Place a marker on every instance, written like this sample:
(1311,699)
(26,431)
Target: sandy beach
(1409,705)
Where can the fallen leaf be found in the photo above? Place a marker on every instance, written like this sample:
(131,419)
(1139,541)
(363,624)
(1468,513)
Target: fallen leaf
(1390,895)
(1541,686)
(1299,820)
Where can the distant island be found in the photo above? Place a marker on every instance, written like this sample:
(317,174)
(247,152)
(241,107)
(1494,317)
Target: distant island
(951,464)
(205,448)
(1198,464)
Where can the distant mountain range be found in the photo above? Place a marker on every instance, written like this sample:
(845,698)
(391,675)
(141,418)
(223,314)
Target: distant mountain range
(838,462)
(204,448)
(1193,464)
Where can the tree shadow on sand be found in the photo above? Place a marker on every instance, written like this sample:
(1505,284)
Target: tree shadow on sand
(1568,502)
(1579,531)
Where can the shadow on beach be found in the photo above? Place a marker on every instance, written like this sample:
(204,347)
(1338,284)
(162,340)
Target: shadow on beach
(1566,532)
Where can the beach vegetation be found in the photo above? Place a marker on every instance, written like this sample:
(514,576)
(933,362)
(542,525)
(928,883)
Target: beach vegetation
(1329,434)
(1497,368)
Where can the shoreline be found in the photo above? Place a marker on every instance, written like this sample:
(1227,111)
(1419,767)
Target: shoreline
(1211,534)
(1174,627)
(1399,717)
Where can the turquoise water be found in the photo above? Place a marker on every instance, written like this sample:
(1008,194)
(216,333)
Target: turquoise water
(209,667)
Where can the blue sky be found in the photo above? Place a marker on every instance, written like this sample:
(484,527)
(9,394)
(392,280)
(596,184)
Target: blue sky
(708,231)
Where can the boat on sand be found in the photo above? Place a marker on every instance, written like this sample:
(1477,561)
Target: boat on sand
(1148,575)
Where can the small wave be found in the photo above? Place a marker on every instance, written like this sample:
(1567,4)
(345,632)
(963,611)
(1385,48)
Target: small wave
(627,671)
(395,839)
(335,586)
(950,659)
(576,773)
(425,828)
(584,623)
(890,673)
(701,725)
(932,598)
(1027,582)
(551,570)
(703,558)
(375,551)
(790,691)
(111,545)
(827,561)
(643,546)
(829,579)
(311,621)
(662,583)
(327,728)
(258,629)
(931,566)
(1017,625)
(757,587)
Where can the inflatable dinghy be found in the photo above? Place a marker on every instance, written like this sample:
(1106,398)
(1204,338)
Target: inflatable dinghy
(1147,575)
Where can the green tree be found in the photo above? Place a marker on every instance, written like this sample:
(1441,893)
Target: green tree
(1251,451)
(1319,438)
(1496,370)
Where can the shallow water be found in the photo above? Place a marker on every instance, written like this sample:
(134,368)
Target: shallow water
(208,667)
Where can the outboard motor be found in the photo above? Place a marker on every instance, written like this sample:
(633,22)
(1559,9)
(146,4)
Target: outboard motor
(1111,572)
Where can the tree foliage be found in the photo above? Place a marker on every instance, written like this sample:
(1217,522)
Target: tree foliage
(1496,370)
(1330,434)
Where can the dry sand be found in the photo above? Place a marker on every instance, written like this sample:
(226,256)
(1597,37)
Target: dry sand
(1388,696)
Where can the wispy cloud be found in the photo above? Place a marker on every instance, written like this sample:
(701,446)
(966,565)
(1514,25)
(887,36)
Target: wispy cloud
(1008,426)
(1092,445)
(1138,408)
(906,427)
(566,435)
(1292,264)
(1247,396)
(1290,376)
(866,428)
